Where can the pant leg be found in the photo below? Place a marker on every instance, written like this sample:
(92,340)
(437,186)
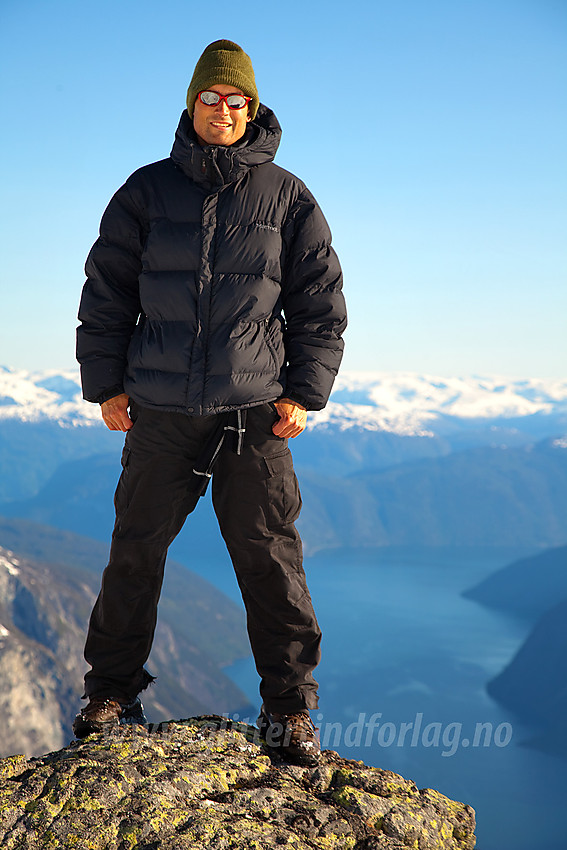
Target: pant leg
(256,499)
(156,492)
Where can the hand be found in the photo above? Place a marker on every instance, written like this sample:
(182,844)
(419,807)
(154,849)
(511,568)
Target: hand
(293,418)
(115,413)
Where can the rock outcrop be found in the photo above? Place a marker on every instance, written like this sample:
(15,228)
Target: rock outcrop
(207,782)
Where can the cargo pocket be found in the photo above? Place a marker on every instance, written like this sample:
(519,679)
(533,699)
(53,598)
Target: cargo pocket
(283,489)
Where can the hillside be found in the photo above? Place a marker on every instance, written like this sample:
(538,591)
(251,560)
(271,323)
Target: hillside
(528,587)
(533,684)
(530,685)
(48,584)
(494,497)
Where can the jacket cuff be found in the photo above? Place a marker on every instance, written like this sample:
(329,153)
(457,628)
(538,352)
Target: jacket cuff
(118,389)
(297,397)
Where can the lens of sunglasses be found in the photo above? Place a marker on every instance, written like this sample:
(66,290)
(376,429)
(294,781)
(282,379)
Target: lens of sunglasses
(233,101)
(236,101)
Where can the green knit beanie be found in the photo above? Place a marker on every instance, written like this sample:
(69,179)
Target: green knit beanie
(224,62)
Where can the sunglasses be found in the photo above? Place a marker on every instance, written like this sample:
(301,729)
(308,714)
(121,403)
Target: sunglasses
(233,101)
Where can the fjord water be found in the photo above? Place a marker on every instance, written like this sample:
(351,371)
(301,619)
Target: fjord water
(402,686)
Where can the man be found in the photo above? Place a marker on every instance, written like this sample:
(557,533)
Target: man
(211,322)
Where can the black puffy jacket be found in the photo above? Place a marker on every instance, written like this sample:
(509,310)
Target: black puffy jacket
(213,284)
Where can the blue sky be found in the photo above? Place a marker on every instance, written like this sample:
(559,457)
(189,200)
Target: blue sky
(432,133)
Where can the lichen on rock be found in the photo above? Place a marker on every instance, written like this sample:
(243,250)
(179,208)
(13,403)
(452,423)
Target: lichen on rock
(207,782)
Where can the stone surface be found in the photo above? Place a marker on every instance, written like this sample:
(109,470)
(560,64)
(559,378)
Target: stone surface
(207,782)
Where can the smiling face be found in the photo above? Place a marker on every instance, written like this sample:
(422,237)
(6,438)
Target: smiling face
(219,125)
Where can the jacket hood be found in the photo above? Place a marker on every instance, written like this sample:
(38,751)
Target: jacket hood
(216,165)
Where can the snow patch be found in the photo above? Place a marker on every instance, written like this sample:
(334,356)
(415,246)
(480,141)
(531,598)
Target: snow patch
(10,565)
(372,418)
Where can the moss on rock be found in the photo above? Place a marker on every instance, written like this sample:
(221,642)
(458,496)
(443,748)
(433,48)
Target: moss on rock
(206,782)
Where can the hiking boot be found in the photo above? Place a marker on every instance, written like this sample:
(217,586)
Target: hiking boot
(133,714)
(103,714)
(294,736)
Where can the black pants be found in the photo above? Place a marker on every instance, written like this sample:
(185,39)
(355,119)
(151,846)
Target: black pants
(256,501)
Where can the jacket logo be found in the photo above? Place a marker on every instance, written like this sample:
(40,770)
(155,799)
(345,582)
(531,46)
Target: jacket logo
(264,226)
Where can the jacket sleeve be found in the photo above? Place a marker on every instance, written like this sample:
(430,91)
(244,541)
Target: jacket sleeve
(313,304)
(110,301)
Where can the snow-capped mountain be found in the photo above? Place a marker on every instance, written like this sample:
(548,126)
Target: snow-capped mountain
(45,395)
(402,403)
(420,405)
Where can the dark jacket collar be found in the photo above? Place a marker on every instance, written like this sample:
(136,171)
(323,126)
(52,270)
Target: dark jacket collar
(216,165)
